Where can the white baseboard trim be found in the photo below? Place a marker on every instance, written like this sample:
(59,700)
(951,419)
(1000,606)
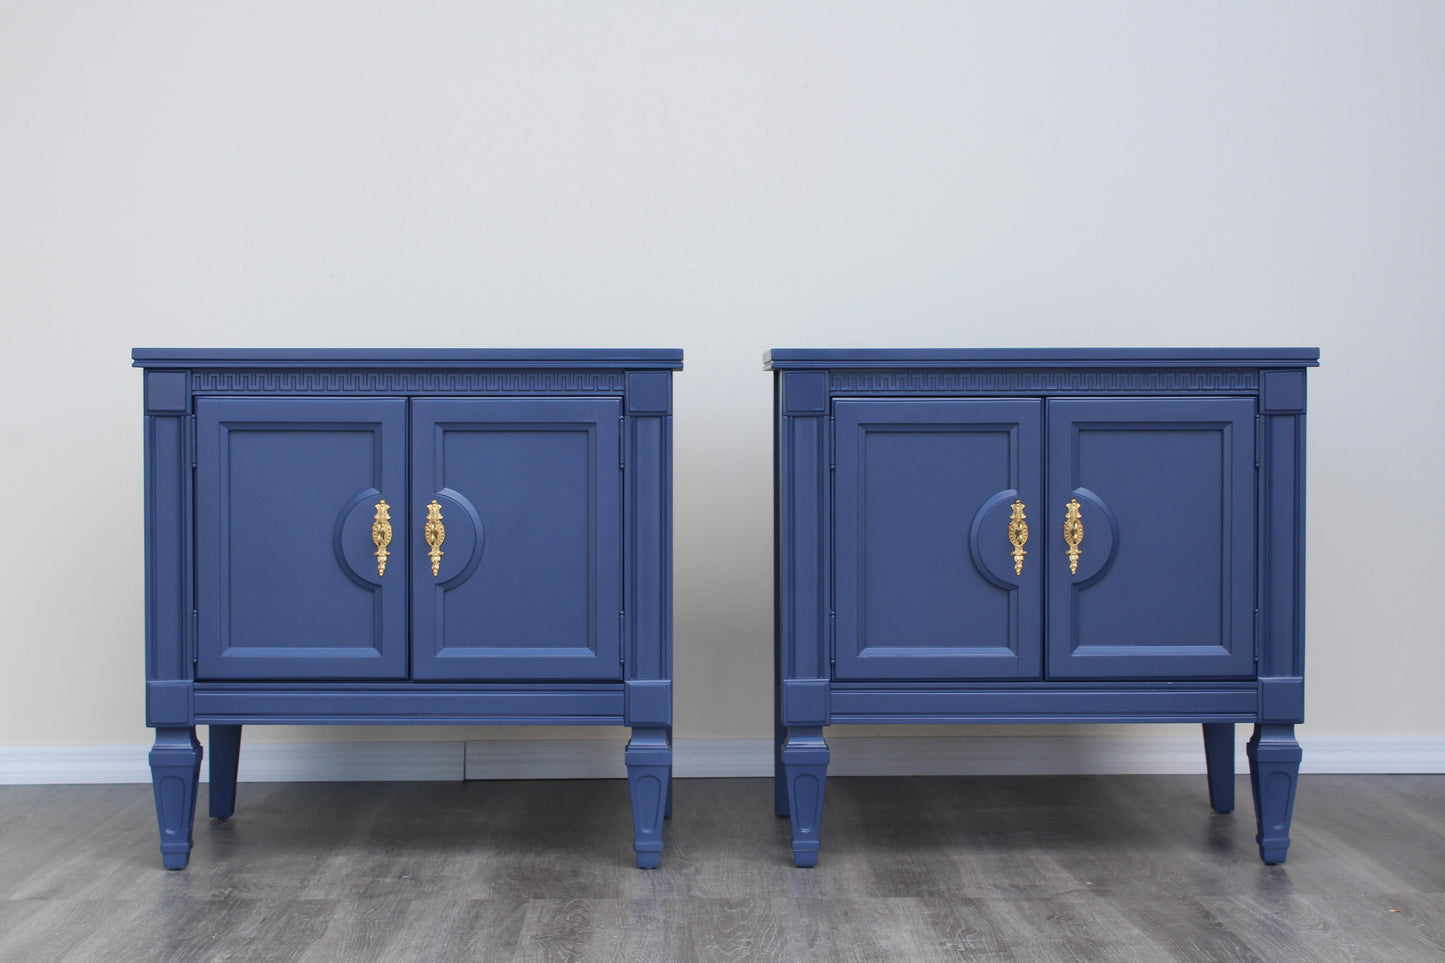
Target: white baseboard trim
(714,758)
(260,762)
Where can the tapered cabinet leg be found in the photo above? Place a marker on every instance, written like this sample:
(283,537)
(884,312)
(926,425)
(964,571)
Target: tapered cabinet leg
(649,777)
(225,757)
(1219,762)
(1274,758)
(175,761)
(805,765)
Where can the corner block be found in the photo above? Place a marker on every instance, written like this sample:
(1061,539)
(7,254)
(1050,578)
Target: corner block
(1282,699)
(168,703)
(805,702)
(649,702)
(805,392)
(1282,392)
(167,392)
(649,392)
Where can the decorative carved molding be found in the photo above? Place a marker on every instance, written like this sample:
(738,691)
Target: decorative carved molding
(409,382)
(1083,380)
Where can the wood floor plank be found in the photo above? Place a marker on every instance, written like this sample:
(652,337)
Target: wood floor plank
(731,930)
(440,930)
(52,929)
(1042,868)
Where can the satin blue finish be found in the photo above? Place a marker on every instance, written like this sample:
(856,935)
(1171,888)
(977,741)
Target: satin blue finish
(649,783)
(286,578)
(405,703)
(175,764)
(1043,702)
(923,568)
(897,599)
(225,758)
(354,359)
(264,604)
(528,586)
(1166,579)
(1219,758)
(791,359)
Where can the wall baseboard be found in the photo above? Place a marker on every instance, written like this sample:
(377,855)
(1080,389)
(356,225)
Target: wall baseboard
(714,758)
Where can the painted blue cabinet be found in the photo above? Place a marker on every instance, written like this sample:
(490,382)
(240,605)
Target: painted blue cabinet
(406,537)
(918,485)
(286,583)
(533,590)
(1042,535)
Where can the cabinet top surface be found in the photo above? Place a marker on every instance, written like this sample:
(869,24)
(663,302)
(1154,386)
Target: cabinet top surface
(669,358)
(779,359)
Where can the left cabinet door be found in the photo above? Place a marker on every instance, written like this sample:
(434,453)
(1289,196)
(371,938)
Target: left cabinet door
(292,581)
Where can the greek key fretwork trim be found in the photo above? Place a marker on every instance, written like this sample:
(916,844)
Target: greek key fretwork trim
(1024,381)
(409,382)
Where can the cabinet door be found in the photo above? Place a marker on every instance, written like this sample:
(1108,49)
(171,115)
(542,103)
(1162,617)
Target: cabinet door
(926,582)
(288,583)
(1163,583)
(527,580)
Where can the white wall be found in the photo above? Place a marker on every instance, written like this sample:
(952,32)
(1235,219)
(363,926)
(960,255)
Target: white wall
(723,177)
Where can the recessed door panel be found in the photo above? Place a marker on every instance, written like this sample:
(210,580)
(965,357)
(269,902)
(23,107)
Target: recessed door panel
(289,582)
(517,539)
(1158,496)
(929,583)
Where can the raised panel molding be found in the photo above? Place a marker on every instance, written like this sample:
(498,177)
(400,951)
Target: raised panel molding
(409,382)
(925,381)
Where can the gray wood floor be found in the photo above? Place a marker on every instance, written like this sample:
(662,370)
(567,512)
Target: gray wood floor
(997,868)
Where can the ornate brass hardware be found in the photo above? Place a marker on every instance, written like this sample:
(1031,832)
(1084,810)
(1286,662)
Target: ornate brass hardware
(1073,534)
(381,535)
(1018,534)
(435,533)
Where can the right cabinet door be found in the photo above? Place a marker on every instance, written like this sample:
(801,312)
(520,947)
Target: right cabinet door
(1149,536)
(517,539)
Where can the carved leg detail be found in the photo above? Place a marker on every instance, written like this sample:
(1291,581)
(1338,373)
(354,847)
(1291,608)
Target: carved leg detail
(805,764)
(1274,758)
(225,757)
(649,776)
(175,773)
(1219,760)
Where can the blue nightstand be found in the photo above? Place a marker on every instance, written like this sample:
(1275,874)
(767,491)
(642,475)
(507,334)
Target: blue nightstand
(1041,535)
(406,537)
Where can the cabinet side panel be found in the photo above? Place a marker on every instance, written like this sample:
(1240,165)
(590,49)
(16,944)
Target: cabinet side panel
(1283,579)
(802,518)
(167,538)
(648,560)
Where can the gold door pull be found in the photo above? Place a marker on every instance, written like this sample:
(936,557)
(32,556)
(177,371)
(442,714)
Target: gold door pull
(1073,534)
(1018,534)
(435,533)
(381,535)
